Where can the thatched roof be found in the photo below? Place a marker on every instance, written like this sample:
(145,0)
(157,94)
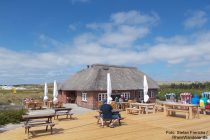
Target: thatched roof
(94,78)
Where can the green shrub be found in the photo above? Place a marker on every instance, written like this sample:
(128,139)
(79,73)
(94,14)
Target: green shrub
(11,116)
(194,88)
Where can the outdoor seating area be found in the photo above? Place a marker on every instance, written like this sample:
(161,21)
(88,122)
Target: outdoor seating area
(33,104)
(44,118)
(132,127)
(191,111)
(190,105)
(144,108)
(38,104)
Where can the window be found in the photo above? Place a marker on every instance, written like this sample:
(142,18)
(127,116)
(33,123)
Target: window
(152,94)
(126,95)
(84,96)
(102,96)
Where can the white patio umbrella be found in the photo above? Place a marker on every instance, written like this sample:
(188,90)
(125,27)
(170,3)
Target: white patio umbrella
(109,89)
(55,93)
(45,92)
(146,97)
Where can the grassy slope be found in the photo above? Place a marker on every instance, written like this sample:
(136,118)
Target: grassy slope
(6,96)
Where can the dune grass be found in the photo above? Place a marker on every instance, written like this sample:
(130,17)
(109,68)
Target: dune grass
(7,97)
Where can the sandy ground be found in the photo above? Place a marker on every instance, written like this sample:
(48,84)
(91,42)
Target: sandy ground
(134,127)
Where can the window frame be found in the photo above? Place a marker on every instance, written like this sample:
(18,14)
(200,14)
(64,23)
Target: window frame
(102,96)
(152,94)
(84,97)
(126,94)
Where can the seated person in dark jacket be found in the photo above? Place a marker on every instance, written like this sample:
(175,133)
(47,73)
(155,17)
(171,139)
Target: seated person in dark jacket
(107,114)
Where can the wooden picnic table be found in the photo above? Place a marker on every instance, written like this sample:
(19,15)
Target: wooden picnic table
(191,111)
(33,105)
(50,104)
(122,105)
(63,111)
(145,107)
(38,120)
(113,111)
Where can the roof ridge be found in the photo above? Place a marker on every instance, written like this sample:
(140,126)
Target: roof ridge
(115,66)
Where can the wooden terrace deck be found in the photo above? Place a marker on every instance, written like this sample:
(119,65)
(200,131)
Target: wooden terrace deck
(145,127)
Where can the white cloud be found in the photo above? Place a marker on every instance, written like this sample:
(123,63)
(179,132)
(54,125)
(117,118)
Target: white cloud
(134,18)
(191,51)
(124,28)
(58,64)
(124,36)
(112,42)
(186,50)
(196,19)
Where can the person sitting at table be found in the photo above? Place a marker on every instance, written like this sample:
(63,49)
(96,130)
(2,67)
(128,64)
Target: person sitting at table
(106,114)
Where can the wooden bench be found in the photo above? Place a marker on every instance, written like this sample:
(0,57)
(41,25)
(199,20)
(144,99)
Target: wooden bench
(63,111)
(173,111)
(203,110)
(133,110)
(129,110)
(107,120)
(38,120)
(29,125)
(150,109)
(159,107)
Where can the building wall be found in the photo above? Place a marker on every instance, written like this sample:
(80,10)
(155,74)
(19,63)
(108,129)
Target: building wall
(92,97)
(88,103)
(152,99)
(62,96)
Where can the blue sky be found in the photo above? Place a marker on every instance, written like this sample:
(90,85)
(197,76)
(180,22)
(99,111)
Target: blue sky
(46,40)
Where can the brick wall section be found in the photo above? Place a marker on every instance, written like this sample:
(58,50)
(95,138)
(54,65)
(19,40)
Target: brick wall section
(152,100)
(62,96)
(88,103)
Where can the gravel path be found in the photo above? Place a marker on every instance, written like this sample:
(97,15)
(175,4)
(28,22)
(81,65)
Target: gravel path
(75,109)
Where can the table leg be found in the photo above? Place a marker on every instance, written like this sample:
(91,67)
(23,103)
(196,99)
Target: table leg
(173,112)
(190,112)
(165,110)
(146,109)
(198,112)
(123,106)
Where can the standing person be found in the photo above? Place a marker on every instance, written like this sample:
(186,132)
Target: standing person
(106,114)
(14,90)
(203,102)
(116,99)
(122,98)
(67,99)
(195,99)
